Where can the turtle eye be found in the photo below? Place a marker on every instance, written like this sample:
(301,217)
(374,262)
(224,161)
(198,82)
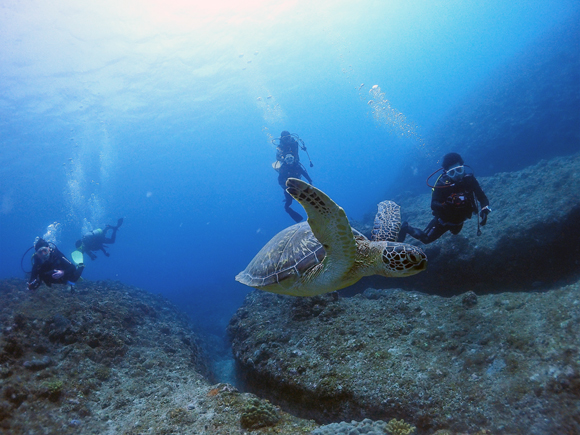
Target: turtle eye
(416,257)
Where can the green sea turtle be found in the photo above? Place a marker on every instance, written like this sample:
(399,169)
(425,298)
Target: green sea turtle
(325,254)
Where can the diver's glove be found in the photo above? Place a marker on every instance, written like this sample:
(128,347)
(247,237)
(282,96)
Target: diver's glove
(58,274)
(483,214)
(33,285)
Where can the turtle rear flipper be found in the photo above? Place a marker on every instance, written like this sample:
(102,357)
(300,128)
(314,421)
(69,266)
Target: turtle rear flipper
(387,222)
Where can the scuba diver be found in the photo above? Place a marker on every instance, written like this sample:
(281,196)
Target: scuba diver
(95,240)
(288,166)
(453,201)
(51,266)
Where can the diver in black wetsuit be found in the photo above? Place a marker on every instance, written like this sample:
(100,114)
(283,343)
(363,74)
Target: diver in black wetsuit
(95,240)
(52,267)
(452,202)
(288,166)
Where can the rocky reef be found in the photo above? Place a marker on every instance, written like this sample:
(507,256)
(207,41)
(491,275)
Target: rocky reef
(531,240)
(497,364)
(114,359)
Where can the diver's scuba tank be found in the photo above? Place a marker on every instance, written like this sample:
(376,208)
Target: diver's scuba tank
(470,196)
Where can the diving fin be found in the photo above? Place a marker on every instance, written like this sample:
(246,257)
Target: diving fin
(77,257)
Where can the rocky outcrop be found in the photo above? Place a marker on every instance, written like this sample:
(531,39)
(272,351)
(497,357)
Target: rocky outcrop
(114,359)
(502,363)
(532,239)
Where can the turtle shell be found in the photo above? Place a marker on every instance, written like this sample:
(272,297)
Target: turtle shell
(285,258)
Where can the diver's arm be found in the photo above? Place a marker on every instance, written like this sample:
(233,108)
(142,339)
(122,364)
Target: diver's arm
(34,282)
(61,262)
(481,197)
(438,201)
(483,202)
(35,271)
(64,264)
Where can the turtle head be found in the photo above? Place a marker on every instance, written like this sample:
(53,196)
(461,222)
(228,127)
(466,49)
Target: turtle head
(402,259)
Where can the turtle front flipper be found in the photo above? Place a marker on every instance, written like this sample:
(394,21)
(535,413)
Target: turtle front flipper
(387,222)
(328,222)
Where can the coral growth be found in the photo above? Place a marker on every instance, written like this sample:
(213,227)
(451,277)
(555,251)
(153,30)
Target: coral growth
(259,413)
(399,427)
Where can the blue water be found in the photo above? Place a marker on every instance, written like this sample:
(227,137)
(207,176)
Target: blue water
(163,112)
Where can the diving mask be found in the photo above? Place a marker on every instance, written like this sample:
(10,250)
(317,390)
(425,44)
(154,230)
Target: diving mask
(43,253)
(456,172)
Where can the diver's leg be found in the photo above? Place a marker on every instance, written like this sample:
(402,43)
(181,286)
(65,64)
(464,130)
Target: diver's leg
(293,214)
(78,272)
(416,233)
(433,231)
(282,177)
(456,229)
(287,200)
(403,232)
(111,240)
(114,231)
(76,276)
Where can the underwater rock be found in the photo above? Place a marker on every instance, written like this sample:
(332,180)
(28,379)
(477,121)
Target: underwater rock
(38,364)
(112,358)
(307,308)
(367,426)
(469,299)
(259,413)
(507,363)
